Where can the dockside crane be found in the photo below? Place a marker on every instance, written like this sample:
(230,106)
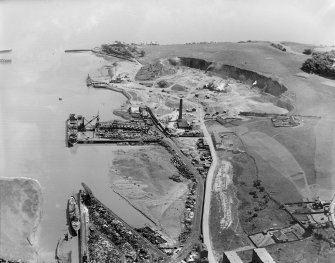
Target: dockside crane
(88,125)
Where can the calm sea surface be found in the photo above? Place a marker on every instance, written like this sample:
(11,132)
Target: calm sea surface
(32,120)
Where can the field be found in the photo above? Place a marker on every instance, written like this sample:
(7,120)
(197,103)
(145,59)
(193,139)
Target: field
(141,174)
(20,208)
(255,211)
(297,47)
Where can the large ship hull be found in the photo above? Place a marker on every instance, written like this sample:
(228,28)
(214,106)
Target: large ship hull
(73,214)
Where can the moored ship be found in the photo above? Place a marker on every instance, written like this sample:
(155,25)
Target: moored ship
(73,213)
(72,130)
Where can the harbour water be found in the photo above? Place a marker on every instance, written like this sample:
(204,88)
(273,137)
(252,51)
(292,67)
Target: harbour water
(39,91)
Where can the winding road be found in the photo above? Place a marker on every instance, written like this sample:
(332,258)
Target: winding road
(208,190)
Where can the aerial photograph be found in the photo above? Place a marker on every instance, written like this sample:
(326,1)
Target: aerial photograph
(167,131)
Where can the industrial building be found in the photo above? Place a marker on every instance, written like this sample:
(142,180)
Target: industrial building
(231,257)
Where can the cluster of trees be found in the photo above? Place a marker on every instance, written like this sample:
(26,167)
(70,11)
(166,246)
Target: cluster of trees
(308,51)
(278,46)
(322,64)
(202,42)
(122,49)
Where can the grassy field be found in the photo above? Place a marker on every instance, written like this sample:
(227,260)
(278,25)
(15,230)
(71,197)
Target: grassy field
(249,213)
(298,47)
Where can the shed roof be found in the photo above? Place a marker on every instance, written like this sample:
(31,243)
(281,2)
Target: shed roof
(231,257)
(263,255)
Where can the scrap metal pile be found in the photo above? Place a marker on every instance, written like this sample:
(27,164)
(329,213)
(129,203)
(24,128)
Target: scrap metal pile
(116,232)
(151,235)
(131,130)
(189,213)
(101,249)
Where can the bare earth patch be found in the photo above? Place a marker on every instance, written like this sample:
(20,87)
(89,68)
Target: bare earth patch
(20,214)
(142,176)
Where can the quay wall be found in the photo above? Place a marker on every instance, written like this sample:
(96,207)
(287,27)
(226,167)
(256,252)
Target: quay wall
(114,88)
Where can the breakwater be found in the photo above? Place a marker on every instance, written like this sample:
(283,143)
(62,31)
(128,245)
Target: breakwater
(78,50)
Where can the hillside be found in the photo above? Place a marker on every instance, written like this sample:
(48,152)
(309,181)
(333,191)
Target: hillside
(300,159)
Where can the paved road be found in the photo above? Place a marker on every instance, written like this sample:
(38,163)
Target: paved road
(208,191)
(202,211)
(332,211)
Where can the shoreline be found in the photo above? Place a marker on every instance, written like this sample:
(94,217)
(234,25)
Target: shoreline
(134,206)
(116,89)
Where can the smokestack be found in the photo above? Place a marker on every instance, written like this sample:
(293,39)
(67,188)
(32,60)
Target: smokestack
(180,109)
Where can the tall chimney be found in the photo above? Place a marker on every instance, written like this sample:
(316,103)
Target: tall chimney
(180,109)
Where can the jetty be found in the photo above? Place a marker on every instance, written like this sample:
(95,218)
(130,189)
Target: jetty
(5,50)
(83,231)
(77,50)
(80,130)
(3,60)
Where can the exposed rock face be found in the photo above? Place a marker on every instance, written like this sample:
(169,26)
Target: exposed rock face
(195,63)
(20,215)
(264,83)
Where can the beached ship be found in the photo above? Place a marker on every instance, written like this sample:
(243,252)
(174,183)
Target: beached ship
(73,211)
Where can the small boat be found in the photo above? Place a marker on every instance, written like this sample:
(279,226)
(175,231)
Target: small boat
(89,81)
(73,211)
(72,139)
